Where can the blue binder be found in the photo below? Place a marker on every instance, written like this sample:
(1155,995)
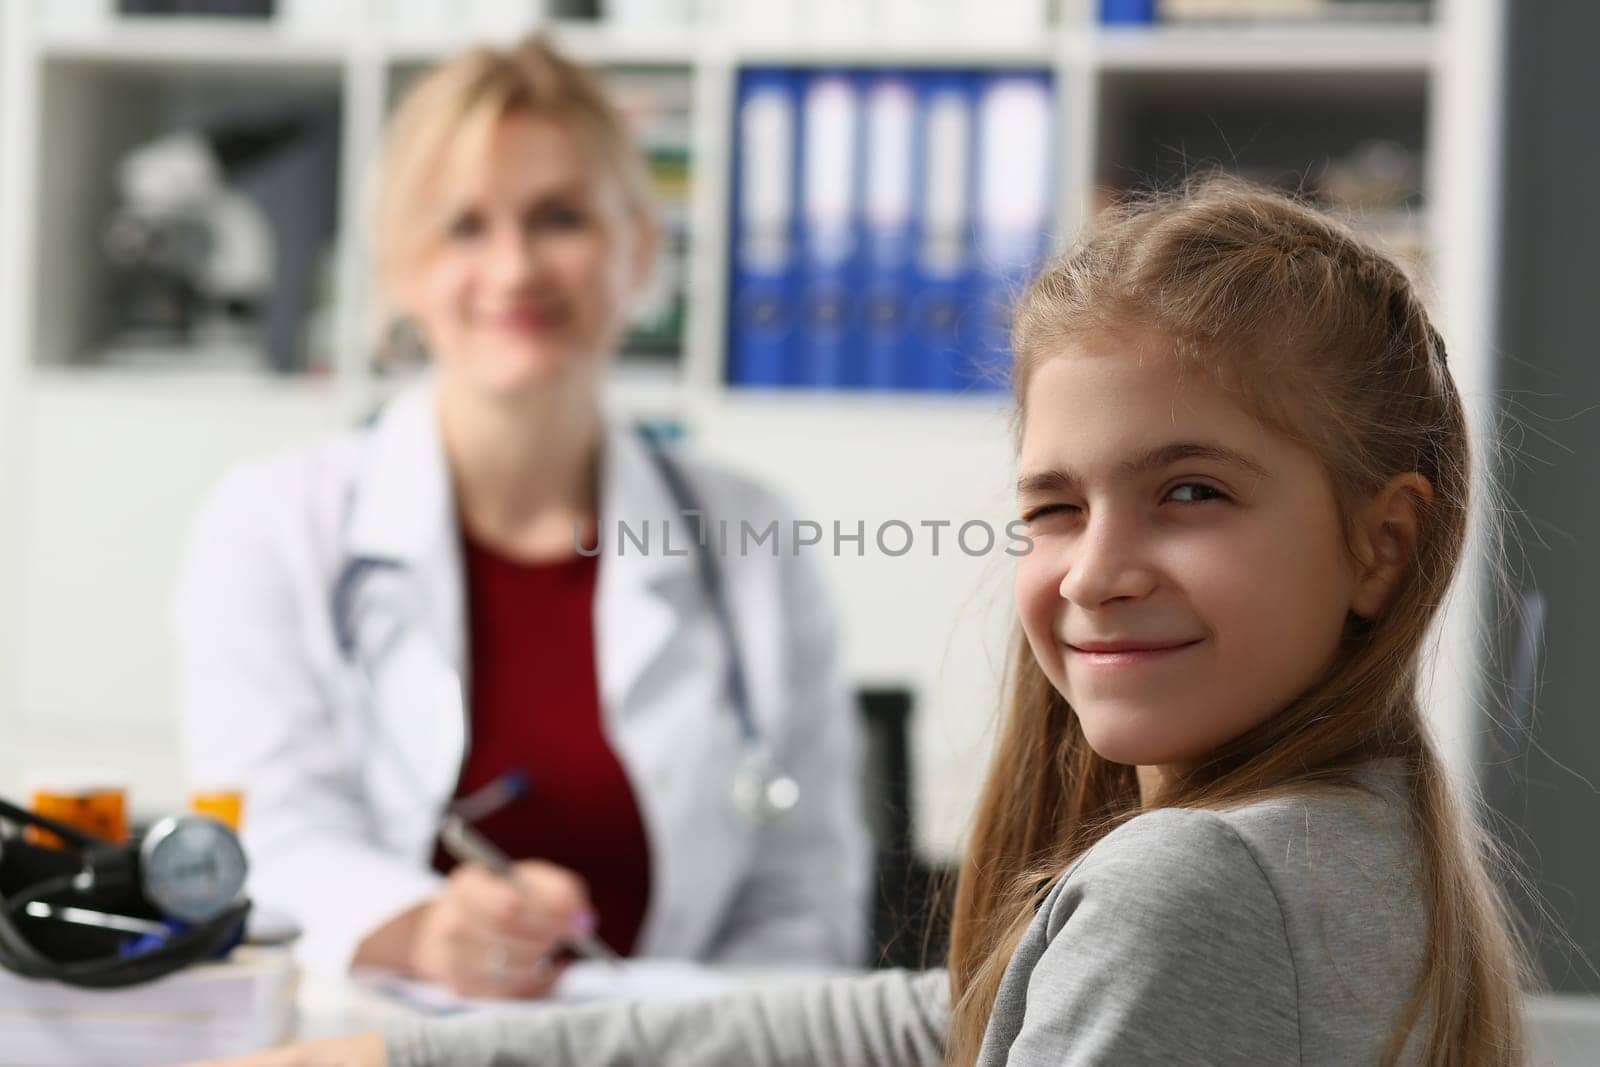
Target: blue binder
(942,260)
(829,342)
(1127,12)
(889,231)
(1013,206)
(762,317)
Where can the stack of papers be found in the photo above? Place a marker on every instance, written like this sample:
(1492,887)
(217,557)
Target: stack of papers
(243,1005)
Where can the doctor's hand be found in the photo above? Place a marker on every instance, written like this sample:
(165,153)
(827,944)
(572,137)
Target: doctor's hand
(484,936)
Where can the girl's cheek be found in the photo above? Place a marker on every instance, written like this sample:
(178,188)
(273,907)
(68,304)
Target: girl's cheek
(1038,600)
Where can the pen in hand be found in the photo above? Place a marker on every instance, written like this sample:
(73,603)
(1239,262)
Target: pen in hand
(468,846)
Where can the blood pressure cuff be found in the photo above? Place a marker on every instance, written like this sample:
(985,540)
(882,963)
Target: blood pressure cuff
(91,956)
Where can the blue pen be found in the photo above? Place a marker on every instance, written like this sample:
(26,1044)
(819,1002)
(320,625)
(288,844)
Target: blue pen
(467,845)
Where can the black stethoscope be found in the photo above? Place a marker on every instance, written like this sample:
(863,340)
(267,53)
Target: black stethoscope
(103,915)
(760,790)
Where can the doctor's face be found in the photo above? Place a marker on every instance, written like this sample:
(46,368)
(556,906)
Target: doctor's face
(1189,576)
(528,287)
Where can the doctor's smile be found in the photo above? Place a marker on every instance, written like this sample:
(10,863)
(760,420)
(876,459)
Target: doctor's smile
(524,319)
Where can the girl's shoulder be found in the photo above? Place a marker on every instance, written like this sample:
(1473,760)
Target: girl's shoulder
(1289,843)
(1295,922)
(1372,807)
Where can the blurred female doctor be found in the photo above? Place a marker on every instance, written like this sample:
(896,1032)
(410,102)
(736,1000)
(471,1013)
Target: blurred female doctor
(339,601)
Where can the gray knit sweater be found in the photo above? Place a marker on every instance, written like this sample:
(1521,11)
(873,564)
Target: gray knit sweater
(1289,931)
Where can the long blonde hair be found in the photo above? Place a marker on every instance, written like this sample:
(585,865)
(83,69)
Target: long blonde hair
(1326,340)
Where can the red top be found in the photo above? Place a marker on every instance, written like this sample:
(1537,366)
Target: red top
(536,707)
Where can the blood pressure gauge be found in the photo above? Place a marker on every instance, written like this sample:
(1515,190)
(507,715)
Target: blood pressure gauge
(191,867)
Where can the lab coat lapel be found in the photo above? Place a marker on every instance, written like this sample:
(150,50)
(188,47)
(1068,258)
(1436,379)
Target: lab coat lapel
(403,513)
(635,614)
(404,510)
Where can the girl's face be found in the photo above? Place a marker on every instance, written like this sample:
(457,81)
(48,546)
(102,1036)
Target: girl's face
(531,282)
(1189,575)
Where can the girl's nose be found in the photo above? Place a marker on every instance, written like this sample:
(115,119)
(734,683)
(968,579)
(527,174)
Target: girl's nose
(1106,563)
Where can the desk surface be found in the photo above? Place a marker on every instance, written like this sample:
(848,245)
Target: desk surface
(1564,1030)
(331,1006)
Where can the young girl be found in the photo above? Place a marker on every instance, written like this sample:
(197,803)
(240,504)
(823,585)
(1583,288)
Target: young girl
(1215,828)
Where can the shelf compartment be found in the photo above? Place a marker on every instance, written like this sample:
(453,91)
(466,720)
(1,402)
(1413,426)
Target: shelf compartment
(1359,143)
(280,127)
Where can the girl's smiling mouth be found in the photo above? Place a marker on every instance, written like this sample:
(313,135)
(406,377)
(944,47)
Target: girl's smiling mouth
(1129,652)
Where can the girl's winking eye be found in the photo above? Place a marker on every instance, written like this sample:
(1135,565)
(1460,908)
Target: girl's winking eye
(1183,493)
(1034,514)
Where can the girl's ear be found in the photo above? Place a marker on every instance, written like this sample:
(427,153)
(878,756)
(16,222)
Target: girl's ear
(1385,541)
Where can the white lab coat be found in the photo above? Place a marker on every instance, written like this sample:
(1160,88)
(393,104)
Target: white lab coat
(340,838)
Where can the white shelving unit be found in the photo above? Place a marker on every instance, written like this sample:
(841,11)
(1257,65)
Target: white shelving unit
(100,469)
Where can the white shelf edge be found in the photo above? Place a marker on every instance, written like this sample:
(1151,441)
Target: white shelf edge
(652,390)
(589,42)
(1246,49)
(194,42)
(174,381)
(806,52)
(856,404)
(1174,48)
(602,45)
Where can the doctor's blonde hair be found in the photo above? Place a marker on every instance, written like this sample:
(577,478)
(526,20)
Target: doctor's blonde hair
(1327,341)
(448,118)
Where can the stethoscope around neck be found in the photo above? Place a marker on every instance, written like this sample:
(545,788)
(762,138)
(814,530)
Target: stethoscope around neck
(760,790)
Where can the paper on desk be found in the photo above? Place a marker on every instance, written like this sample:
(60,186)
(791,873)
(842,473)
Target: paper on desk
(581,982)
(205,1012)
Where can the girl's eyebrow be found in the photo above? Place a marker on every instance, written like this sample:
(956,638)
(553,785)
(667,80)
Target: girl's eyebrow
(1060,479)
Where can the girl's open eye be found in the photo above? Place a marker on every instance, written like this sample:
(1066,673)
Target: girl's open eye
(1195,493)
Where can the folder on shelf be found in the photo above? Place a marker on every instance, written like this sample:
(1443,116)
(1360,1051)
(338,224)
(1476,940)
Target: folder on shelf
(942,259)
(1012,214)
(889,237)
(829,341)
(884,223)
(657,105)
(762,315)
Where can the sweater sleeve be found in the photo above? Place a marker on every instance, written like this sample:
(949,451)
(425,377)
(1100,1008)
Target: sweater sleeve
(1166,944)
(884,1019)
